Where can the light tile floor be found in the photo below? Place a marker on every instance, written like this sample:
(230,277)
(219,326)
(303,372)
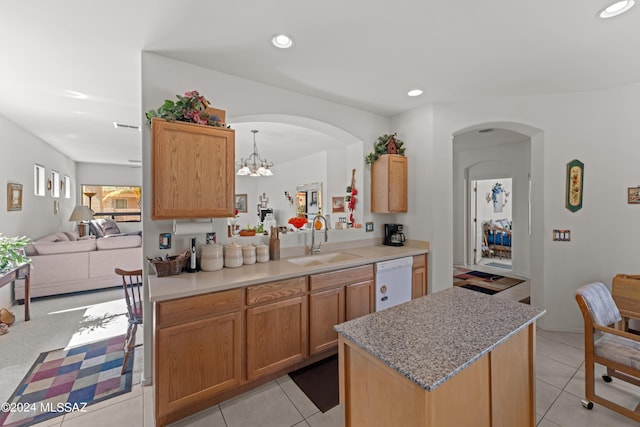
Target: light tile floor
(280,403)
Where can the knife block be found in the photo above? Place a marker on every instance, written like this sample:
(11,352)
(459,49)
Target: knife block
(274,249)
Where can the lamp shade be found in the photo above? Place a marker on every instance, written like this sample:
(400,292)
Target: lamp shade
(81,213)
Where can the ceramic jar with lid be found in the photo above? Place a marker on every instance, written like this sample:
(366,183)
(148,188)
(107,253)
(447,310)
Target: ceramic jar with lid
(232,255)
(262,253)
(211,257)
(249,254)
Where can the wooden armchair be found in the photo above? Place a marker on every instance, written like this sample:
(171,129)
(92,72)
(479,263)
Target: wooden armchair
(618,350)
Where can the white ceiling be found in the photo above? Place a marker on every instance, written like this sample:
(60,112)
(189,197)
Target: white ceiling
(366,54)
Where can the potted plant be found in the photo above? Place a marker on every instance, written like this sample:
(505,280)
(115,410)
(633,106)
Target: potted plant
(12,252)
(191,108)
(387,144)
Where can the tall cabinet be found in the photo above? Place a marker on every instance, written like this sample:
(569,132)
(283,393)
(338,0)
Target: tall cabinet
(389,184)
(193,171)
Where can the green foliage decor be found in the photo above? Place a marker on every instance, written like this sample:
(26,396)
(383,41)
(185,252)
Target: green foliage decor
(189,108)
(12,252)
(380,148)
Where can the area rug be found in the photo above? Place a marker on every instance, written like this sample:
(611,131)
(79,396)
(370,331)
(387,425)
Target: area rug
(319,382)
(499,265)
(68,380)
(483,282)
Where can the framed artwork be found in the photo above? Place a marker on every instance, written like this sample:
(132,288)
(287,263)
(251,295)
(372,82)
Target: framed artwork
(575,180)
(241,203)
(14,197)
(337,204)
(165,241)
(633,195)
(301,202)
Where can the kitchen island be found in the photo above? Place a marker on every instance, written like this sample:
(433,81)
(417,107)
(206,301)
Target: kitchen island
(453,358)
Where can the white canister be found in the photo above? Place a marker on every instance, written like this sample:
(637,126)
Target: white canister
(249,254)
(232,255)
(262,253)
(211,258)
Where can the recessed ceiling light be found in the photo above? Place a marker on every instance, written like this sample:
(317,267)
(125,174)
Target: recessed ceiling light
(617,8)
(414,92)
(282,41)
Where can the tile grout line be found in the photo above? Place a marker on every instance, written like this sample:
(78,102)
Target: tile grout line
(294,405)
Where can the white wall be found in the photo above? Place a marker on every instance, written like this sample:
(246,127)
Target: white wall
(101,174)
(20,151)
(598,128)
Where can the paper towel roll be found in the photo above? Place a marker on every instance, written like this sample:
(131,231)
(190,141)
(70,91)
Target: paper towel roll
(190,227)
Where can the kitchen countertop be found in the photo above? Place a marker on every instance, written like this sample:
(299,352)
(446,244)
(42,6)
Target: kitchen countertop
(190,284)
(431,339)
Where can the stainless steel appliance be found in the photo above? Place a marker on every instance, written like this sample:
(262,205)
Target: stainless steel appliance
(393,282)
(393,235)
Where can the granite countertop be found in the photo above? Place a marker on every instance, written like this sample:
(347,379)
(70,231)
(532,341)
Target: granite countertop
(190,284)
(431,339)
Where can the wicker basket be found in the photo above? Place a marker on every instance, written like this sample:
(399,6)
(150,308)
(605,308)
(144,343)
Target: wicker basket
(172,266)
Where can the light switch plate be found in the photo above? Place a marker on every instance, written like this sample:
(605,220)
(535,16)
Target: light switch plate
(562,235)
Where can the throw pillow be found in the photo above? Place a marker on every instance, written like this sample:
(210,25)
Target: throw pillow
(72,235)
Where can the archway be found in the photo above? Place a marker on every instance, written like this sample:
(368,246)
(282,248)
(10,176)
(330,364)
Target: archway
(521,145)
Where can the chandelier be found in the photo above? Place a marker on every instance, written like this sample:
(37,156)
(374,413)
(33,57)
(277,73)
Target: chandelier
(254,165)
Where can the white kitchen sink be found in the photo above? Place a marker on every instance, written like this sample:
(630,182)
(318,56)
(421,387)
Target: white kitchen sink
(323,259)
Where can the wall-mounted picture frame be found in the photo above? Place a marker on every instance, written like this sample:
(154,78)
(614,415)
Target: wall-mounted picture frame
(337,204)
(14,197)
(241,203)
(165,241)
(633,195)
(575,181)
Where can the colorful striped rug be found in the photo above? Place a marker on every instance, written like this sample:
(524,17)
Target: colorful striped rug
(68,380)
(483,282)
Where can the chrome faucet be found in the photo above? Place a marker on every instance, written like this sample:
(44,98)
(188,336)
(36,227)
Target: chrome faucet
(313,250)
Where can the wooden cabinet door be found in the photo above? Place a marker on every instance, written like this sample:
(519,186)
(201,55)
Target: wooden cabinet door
(419,276)
(276,335)
(192,171)
(389,182)
(360,299)
(418,282)
(326,309)
(197,360)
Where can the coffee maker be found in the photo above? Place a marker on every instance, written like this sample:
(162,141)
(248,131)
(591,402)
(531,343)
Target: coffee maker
(393,235)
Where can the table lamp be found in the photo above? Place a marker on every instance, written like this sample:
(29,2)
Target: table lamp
(80,214)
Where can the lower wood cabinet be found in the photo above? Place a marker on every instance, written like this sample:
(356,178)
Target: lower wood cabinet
(198,359)
(326,309)
(276,335)
(419,276)
(336,297)
(359,299)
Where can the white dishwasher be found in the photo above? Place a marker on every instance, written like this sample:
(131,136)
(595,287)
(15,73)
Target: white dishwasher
(393,282)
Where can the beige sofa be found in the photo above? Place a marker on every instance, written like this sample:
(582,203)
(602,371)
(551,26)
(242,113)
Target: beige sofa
(64,263)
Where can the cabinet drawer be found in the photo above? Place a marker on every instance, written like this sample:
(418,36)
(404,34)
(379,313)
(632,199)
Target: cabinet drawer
(276,290)
(419,261)
(197,307)
(341,277)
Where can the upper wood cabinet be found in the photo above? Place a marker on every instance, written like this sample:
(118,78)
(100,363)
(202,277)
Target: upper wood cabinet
(389,184)
(193,171)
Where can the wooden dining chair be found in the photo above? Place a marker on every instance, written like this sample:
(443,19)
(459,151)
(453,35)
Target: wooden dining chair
(132,285)
(617,350)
